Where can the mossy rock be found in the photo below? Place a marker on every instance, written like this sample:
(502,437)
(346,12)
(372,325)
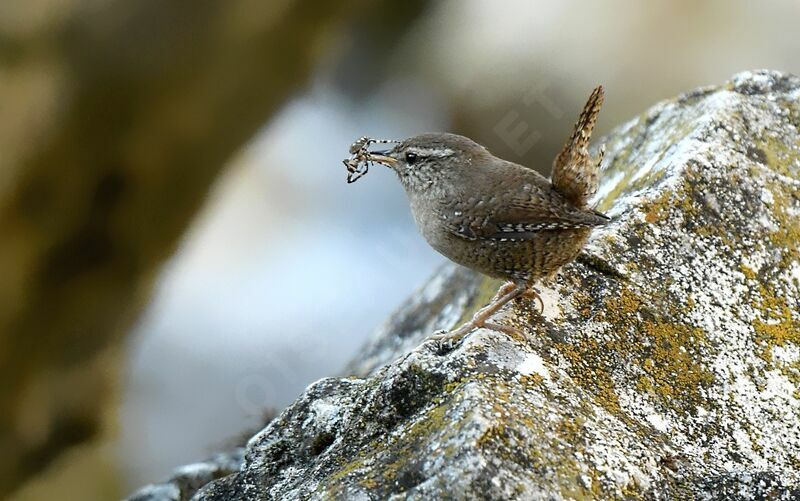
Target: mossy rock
(666,363)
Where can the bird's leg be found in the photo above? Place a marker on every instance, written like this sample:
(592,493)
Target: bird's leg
(508,292)
(511,332)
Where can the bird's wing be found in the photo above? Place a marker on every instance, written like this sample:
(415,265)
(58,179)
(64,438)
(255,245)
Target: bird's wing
(524,220)
(522,212)
(574,174)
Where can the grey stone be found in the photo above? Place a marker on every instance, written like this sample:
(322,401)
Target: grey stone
(186,480)
(666,364)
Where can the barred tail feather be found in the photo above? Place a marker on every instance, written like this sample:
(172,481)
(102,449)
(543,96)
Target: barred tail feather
(575,175)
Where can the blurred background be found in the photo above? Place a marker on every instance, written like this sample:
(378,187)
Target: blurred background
(179,252)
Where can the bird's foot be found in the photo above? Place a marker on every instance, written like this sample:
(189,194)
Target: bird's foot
(534,295)
(447,341)
(506,293)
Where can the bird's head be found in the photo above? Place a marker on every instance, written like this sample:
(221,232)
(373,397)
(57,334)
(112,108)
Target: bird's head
(424,160)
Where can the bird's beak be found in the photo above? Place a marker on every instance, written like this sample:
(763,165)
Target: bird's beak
(381,157)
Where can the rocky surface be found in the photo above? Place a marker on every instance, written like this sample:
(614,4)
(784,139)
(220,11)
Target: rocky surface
(185,481)
(666,363)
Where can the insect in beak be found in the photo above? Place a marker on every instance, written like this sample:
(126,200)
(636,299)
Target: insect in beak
(361,158)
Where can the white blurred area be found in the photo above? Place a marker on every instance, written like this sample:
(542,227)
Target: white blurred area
(289,269)
(285,273)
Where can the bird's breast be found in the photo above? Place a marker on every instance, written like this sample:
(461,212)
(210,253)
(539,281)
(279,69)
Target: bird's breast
(431,221)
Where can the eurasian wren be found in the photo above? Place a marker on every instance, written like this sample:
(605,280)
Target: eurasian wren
(491,215)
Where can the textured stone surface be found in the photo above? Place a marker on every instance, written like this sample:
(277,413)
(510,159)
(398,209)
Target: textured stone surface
(666,363)
(186,480)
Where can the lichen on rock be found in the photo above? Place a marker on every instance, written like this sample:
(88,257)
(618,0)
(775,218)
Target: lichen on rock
(666,363)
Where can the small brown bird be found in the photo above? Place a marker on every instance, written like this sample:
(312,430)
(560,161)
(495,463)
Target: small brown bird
(491,215)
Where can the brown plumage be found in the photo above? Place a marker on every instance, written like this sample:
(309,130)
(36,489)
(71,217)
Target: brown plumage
(575,175)
(491,215)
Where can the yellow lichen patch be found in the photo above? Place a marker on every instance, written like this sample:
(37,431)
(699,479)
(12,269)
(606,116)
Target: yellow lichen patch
(661,355)
(670,362)
(591,370)
(368,483)
(582,302)
(658,209)
(531,380)
(666,351)
(747,271)
(778,334)
(781,156)
(571,430)
(451,387)
(625,304)
(495,433)
(792,373)
(348,468)
(787,236)
(777,325)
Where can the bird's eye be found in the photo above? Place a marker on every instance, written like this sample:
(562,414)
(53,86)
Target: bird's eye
(411,157)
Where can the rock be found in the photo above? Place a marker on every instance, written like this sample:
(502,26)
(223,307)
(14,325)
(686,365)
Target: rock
(666,363)
(186,480)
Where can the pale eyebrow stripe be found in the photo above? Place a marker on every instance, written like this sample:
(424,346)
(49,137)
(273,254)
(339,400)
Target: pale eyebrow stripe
(432,152)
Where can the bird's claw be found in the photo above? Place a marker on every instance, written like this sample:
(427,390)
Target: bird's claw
(445,341)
